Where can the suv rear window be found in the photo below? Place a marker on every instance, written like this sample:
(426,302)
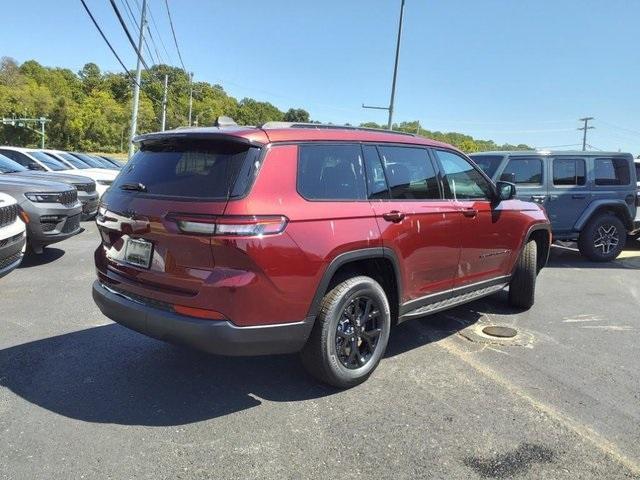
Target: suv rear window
(569,171)
(331,172)
(611,171)
(192,169)
(523,171)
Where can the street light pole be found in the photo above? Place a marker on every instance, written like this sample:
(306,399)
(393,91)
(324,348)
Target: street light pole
(395,73)
(395,67)
(136,87)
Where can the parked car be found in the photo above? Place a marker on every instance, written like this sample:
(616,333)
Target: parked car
(590,197)
(103,177)
(85,186)
(112,161)
(94,161)
(51,209)
(12,235)
(285,238)
(62,162)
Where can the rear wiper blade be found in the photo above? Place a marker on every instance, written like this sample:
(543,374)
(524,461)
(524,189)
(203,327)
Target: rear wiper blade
(138,187)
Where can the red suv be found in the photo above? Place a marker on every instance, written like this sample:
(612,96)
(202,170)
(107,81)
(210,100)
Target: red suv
(311,238)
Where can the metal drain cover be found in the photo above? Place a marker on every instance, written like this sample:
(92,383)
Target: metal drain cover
(501,332)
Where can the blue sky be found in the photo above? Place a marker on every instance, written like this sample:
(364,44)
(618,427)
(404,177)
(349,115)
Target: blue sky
(509,70)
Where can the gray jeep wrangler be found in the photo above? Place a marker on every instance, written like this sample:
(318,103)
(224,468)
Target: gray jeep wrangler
(590,197)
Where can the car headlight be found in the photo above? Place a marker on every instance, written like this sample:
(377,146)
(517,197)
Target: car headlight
(104,182)
(43,197)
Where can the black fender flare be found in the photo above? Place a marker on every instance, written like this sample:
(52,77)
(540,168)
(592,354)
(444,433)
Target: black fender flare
(348,257)
(536,227)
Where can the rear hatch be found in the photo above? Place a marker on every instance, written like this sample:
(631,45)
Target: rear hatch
(154,219)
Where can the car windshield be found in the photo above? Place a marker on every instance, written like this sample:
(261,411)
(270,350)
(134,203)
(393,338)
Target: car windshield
(48,161)
(9,166)
(102,161)
(88,160)
(76,162)
(488,163)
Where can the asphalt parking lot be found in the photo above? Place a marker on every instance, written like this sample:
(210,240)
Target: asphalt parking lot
(82,397)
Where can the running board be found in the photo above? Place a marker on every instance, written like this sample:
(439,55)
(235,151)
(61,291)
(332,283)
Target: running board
(454,301)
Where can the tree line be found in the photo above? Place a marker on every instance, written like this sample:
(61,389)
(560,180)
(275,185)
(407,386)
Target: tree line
(90,110)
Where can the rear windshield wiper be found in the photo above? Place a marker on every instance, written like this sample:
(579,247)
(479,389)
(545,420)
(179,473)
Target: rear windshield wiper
(138,187)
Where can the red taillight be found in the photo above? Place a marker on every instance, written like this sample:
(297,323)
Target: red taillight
(199,312)
(230,225)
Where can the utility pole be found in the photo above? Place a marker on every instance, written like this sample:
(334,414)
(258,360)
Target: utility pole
(395,73)
(190,96)
(585,128)
(164,101)
(136,87)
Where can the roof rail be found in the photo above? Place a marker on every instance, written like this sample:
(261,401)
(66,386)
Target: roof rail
(325,126)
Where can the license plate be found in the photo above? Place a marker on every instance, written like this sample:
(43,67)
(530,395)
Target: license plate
(138,252)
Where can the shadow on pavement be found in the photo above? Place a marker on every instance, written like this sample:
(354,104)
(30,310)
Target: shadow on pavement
(569,257)
(109,374)
(47,256)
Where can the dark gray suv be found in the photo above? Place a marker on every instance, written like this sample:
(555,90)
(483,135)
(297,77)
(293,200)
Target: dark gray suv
(590,197)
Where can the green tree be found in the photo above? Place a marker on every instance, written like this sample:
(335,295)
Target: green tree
(298,115)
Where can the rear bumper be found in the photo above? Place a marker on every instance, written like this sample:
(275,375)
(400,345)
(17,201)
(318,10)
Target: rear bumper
(213,336)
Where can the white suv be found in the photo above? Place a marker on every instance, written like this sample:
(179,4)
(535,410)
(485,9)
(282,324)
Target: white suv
(103,176)
(12,234)
(51,161)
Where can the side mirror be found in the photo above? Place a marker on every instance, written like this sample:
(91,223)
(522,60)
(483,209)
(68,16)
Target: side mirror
(505,190)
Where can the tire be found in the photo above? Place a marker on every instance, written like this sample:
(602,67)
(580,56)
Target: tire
(603,238)
(522,288)
(329,354)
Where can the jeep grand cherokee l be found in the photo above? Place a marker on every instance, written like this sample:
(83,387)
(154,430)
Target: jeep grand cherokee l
(285,238)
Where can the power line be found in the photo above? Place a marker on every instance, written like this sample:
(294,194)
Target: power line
(126,31)
(126,71)
(173,32)
(127,10)
(155,27)
(617,127)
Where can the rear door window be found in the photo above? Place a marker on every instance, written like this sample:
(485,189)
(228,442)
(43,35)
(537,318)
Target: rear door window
(192,169)
(410,173)
(527,171)
(331,172)
(611,171)
(569,171)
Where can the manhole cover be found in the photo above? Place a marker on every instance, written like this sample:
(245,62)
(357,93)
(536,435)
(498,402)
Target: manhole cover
(502,332)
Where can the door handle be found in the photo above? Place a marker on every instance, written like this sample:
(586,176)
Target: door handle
(578,196)
(393,216)
(470,212)
(538,198)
